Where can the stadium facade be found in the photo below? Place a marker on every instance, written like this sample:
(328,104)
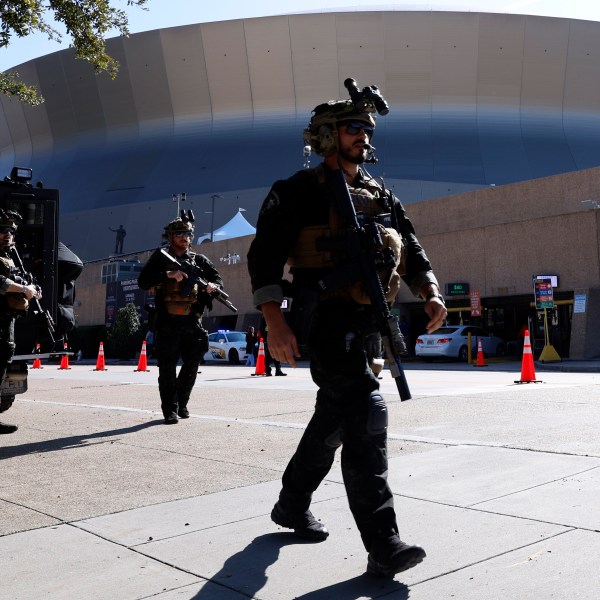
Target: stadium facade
(216,110)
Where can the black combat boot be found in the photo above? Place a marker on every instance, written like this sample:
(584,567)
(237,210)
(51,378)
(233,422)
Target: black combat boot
(183,413)
(304,524)
(6,402)
(6,428)
(393,556)
(171,419)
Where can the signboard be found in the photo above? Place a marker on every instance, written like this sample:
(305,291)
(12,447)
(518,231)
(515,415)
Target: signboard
(120,293)
(553,279)
(579,304)
(476,303)
(544,296)
(457,289)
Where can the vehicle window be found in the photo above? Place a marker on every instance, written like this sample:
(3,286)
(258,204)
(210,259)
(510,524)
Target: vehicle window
(212,337)
(445,331)
(482,332)
(236,336)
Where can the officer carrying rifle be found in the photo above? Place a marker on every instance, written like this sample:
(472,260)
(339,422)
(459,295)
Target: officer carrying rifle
(179,308)
(348,243)
(16,293)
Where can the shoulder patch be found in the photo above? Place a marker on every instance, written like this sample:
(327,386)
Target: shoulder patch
(271,201)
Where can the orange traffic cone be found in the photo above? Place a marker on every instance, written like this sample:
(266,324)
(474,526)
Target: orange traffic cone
(260,360)
(480,358)
(100,366)
(64,361)
(527,368)
(143,362)
(37,363)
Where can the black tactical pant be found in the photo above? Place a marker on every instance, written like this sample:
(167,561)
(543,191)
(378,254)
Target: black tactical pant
(178,337)
(7,351)
(348,411)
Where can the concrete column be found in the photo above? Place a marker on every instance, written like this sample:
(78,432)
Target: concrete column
(585,327)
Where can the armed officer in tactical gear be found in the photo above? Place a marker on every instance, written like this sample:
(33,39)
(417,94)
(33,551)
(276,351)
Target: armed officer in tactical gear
(15,294)
(298,225)
(179,308)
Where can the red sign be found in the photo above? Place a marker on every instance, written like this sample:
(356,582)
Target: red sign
(476,303)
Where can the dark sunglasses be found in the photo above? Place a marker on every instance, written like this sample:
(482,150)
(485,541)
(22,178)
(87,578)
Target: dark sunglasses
(184,234)
(7,230)
(355,127)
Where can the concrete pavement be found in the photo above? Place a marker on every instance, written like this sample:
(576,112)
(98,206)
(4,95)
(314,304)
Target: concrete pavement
(99,500)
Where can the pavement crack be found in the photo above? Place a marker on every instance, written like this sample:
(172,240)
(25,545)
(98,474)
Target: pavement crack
(488,558)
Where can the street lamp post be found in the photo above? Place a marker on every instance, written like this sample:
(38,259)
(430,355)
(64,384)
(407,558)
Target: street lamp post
(212,217)
(178,198)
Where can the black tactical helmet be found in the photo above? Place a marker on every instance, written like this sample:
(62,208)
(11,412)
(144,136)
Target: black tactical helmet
(9,218)
(321,133)
(177,226)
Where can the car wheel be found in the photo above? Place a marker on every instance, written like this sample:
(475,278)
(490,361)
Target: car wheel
(501,350)
(463,354)
(234,357)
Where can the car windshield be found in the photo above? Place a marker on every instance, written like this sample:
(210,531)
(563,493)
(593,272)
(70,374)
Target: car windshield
(236,336)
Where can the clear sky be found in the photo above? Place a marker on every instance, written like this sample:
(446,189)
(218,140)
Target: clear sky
(169,13)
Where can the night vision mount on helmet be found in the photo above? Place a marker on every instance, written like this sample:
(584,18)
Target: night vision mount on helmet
(322,134)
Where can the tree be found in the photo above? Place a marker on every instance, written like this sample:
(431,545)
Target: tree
(87,23)
(125,335)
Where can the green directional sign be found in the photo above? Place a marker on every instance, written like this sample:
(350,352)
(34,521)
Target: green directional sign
(457,289)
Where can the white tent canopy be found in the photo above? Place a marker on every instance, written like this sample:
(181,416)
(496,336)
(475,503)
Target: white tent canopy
(236,227)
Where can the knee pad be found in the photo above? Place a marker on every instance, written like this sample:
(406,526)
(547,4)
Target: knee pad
(377,419)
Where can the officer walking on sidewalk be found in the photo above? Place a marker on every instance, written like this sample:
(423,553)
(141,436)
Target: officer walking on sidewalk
(298,225)
(179,308)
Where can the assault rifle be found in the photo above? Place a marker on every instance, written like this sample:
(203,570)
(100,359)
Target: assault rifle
(43,315)
(194,276)
(363,241)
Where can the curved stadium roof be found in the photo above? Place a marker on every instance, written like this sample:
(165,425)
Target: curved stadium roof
(217,110)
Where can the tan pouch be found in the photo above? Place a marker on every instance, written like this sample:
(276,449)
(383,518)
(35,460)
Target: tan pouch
(390,278)
(17,302)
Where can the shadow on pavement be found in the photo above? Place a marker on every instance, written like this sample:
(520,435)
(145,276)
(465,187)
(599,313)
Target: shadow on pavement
(70,442)
(359,587)
(246,572)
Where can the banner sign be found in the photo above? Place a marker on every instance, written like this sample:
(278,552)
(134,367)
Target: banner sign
(120,293)
(476,303)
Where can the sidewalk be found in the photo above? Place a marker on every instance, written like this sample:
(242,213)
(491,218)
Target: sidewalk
(100,500)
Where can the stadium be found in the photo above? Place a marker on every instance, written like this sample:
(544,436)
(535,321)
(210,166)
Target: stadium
(491,141)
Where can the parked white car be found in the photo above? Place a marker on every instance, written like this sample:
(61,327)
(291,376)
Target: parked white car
(452,342)
(225,345)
